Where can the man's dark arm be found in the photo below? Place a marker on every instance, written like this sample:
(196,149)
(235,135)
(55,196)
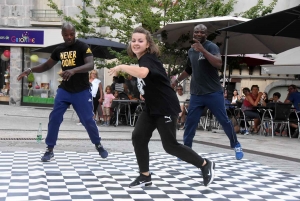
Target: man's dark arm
(214,60)
(186,73)
(39,68)
(88,65)
(44,66)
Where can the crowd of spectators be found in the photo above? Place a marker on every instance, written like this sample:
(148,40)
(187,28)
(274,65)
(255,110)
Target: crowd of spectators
(251,98)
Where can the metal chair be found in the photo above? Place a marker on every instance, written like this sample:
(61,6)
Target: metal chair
(138,110)
(240,116)
(276,113)
(294,118)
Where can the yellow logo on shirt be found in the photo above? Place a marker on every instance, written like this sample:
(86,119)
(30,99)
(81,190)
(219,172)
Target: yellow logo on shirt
(68,58)
(88,50)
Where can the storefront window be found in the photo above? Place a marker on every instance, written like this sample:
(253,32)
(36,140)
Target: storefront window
(39,89)
(4,75)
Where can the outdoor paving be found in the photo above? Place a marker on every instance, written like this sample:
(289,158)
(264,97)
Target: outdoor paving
(269,171)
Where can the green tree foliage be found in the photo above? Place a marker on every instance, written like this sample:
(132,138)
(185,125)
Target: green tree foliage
(122,16)
(259,10)
(83,22)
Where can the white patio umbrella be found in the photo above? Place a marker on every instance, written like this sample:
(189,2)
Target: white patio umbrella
(230,42)
(287,62)
(176,29)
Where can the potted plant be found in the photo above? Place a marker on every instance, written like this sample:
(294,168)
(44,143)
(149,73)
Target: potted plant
(30,79)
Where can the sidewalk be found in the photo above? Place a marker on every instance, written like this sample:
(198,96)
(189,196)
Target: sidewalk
(28,118)
(22,123)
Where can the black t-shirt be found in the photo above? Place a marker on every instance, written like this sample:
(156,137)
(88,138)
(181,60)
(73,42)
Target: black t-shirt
(159,96)
(205,77)
(71,57)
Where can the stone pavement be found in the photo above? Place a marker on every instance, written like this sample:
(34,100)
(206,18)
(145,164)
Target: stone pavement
(18,126)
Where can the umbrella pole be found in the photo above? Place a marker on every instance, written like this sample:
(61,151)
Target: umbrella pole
(225,60)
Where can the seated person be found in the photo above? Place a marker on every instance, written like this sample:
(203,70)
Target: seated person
(264,97)
(133,91)
(115,80)
(116,95)
(273,100)
(293,96)
(228,105)
(120,86)
(236,97)
(276,97)
(230,112)
(182,97)
(252,99)
(115,104)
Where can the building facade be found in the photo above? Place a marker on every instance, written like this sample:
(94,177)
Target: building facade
(26,25)
(29,24)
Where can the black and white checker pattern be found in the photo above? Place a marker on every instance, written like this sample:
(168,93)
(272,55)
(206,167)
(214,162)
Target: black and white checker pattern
(85,176)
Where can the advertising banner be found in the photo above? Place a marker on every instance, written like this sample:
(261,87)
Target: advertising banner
(22,37)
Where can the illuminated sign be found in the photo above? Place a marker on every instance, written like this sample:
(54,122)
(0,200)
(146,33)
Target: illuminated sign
(22,37)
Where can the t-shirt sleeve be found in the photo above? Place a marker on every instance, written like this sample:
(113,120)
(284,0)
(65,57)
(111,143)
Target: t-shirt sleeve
(146,62)
(213,49)
(55,54)
(291,97)
(86,51)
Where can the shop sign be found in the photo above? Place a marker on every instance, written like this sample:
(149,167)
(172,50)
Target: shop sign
(22,37)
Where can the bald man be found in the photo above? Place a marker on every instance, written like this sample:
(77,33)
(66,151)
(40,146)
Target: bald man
(76,61)
(204,61)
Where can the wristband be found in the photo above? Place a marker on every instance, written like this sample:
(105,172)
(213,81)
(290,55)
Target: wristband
(30,70)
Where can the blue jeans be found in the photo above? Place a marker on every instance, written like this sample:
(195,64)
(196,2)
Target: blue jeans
(215,103)
(83,105)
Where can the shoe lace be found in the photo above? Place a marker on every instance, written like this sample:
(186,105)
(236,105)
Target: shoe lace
(138,178)
(238,149)
(47,153)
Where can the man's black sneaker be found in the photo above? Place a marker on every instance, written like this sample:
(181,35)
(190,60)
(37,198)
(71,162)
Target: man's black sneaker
(102,152)
(208,172)
(141,181)
(48,156)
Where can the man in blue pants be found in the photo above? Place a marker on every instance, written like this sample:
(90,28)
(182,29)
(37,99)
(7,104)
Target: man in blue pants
(76,60)
(204,60)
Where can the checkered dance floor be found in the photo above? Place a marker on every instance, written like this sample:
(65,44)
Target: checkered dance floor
(85,176)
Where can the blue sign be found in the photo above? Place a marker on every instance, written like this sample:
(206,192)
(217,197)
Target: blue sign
(22,37)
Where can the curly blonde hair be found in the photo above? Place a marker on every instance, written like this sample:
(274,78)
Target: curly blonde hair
(152,49)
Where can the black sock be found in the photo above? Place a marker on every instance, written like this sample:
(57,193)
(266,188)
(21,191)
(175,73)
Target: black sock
(50,149)
(97,145)
(145,175)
